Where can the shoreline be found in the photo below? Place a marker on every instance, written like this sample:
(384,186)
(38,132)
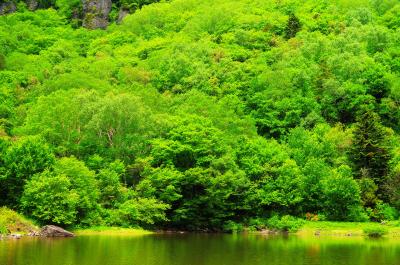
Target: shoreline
(309,229)
(104,230)
(349,229)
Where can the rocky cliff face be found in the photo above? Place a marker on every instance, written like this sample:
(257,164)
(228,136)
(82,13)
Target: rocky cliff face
(96,13)
(32,4)
(10,6)
(7,7)
(122,14)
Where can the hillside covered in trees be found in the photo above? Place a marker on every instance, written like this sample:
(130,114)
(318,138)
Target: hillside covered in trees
(201,115)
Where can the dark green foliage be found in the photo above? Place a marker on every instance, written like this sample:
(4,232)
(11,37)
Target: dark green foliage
(69,8)
(285,223)
(393,186)
(368,192)
(46,3)
(232,227)
(2,61)
(132,5)
(293,26)
(369,153)
(21,161)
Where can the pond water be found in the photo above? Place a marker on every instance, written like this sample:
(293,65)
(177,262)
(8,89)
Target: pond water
(200,249)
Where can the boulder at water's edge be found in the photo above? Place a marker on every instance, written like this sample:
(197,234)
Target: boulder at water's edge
(55,231)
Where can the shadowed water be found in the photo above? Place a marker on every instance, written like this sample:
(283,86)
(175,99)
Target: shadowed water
(200,249)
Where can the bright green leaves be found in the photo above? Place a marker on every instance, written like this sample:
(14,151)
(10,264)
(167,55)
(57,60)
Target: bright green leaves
(121,124)
(68,8)
(61,117)
(51,198)
(67,194)
(82,122)
(112,190)
(83,180)
(193,142)
(342,196)
(201,114)
(392,17)
(281,188)
(142,211)
(163,183)
(257,156)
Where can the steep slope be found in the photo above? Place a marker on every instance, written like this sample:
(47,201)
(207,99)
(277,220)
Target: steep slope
(202,114)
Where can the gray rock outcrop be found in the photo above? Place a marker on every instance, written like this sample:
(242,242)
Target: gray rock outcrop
(32,4)
(122,14)
(96,13)
(7,7)
(55,231)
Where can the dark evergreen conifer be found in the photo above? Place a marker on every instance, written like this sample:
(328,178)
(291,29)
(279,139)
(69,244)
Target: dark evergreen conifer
(369,153)
(293,26)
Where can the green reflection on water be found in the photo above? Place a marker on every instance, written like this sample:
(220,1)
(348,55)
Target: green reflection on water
(200,249)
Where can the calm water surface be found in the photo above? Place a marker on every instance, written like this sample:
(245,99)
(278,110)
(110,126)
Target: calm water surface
(192,249)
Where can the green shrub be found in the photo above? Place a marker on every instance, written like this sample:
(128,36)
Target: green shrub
(232,227)
(257,224)
(315,217)
(386,212)
(382,212)
(83,182)
(357,214)
(285,223)
(68,195)
(142,211)
(377,231)
(50,198)
(342,196)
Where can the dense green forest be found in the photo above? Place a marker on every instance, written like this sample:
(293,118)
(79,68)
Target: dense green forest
(202,115)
